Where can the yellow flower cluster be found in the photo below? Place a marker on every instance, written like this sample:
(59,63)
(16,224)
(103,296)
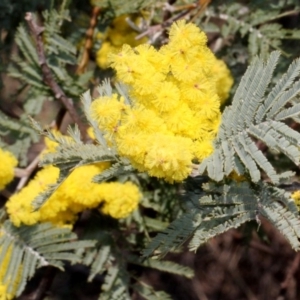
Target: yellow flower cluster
(224,80)
(8,162)
(76,194)
(117,34)
(296,197)
(175,112)
(4,295)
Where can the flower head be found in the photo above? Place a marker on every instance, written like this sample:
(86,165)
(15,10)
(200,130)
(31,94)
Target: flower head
(119,199)
(175,111)
(117,34)
(8,162)
(224,80)
(296,196)
(188,33)
(108,112)
(169,157)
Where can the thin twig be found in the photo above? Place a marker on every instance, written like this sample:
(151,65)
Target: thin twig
(59,94)
(5,193)
(223,257)
(89,41)
(285,14)
(202,4)
(26,173)
(291,271)
(160,27)
(44,285)
(188,9)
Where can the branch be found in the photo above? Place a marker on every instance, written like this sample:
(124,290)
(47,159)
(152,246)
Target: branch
(89,41)
(291,272)
(44,285)
(59,94)
(26,173)
(165,24)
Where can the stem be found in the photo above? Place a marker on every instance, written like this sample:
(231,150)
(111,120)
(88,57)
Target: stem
(45,284)
(89,41)
(59,94)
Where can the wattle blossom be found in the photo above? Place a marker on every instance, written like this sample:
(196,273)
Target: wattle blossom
(175,111)
(117,34)
(77,193)
(8,163)
(296,196)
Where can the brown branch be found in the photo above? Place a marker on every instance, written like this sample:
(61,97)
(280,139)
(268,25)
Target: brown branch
(59,94)
(291,271)
(168,12)
(229,260)
(25,174)
(165,24)
(202,4)
(44,285)
(89,41)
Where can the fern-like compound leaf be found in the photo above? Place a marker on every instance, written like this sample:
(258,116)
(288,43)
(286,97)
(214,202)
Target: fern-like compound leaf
(100,259)
(163,265)
(175,235)
(25,249)
(148,293)
(285,221)
(253,114)
(116,284)
(227,206)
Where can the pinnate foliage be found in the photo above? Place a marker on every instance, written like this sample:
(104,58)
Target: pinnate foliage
(254,113)
(236,184)
(258,23)
(32,247)
(260,115)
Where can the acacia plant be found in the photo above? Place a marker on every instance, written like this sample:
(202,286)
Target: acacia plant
(172,148)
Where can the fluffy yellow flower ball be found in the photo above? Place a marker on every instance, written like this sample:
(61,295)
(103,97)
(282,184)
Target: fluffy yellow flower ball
(117,34)
(169,157)
(296,196)
(76,194)
(119,199)
(19,206)
(108,111)
(8,162)
(224,80)
(175,111)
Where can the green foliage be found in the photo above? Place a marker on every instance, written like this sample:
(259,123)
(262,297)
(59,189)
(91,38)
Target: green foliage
(228,206)
(255,114)
(252,114)
(165,266)
(118,7)
(59,53)
(31,247)
(257,22)
(265,103)
(149,293)
(116,281)
(19,136)
(98,260)
(26,67)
